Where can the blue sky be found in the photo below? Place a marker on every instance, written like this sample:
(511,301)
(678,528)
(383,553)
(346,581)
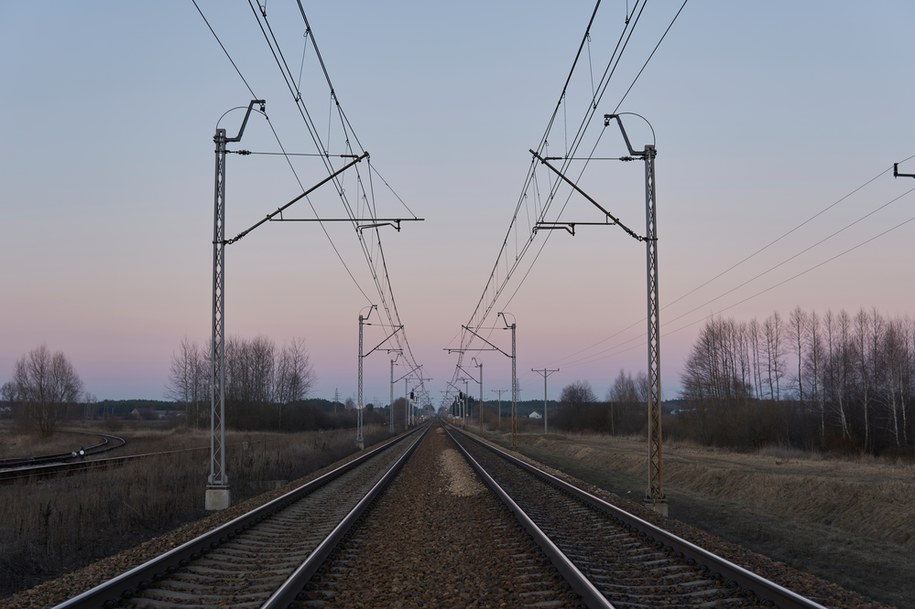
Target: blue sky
(765,113)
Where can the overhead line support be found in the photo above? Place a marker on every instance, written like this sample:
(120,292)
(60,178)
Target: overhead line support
(217,493)
(896,173)
(298,198)
(590,199)
(655,496)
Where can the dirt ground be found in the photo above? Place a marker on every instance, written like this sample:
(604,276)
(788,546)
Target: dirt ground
(849,521)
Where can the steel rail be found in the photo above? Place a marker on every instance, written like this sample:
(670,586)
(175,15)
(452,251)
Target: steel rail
(9,476)
(286,594)
(123,585)
(766,591)
(590,595)
(94,449)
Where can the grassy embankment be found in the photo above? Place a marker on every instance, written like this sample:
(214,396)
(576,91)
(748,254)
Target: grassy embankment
(53,526)
(849,521)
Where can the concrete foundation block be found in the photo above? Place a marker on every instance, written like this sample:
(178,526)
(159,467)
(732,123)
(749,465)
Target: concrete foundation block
(218,498)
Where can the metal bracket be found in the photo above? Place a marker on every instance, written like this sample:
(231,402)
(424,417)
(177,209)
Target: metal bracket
(896,173)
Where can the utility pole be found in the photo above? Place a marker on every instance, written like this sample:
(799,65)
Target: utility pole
(480,406)
(499,407)
(655,495)
(514,357)
(218,496)
(546,372)
(391,403)
(360,439)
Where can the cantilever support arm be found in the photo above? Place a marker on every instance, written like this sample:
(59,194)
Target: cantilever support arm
(485,341)
(301,196)
(470,376)
(244,122)
(386,339)
(408,374)
(575,187)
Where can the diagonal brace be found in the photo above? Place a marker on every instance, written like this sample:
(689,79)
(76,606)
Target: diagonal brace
(304,194)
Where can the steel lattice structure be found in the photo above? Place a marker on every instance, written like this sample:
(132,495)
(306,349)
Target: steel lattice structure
(655,494)
(218,477)
(217,496)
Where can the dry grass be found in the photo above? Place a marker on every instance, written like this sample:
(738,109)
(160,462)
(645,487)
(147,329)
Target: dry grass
(851,521)
(53,526)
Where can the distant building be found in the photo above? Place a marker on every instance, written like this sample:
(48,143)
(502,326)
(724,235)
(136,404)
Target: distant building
(535,415)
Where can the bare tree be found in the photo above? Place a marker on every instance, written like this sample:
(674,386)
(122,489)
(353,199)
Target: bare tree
(898,378)
(753,333)
(838,335)
(773,332)
(46,383)
(797,329)
(715,368)
(577,393)
(187,379)
(813,367)
(294,375)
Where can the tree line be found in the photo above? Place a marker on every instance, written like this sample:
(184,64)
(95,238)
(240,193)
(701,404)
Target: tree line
(262,381)
(622,412)
(826,381)
(44,384)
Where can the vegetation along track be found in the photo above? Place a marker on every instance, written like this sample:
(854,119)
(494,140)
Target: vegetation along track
(632,563)
(243,562)
(437,538)
(106,443)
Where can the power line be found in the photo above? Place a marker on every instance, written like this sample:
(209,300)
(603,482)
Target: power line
(621,347)
(645,65)
(222,46)
(737,264)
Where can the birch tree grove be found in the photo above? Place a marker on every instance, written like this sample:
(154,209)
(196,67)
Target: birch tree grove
(45,383)
(258,376)
(849,379)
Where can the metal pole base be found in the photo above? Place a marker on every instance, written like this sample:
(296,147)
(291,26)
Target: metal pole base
(658,506)
(360,444)
(217,498)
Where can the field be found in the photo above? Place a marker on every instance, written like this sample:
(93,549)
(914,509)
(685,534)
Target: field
(849,521)
(56,525)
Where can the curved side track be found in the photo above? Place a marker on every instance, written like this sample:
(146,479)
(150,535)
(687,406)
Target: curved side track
(243,562)
(107,443)
(629,561)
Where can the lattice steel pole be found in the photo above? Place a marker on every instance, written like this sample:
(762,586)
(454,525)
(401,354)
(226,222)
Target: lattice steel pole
(481,396)
(655,495)
(217,494)
(360,441)
(514,388)
(391,403)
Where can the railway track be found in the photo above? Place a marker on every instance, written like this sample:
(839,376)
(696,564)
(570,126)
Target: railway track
(438,538)
(611,557)
(45,470)
(107,443)
(253,558)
